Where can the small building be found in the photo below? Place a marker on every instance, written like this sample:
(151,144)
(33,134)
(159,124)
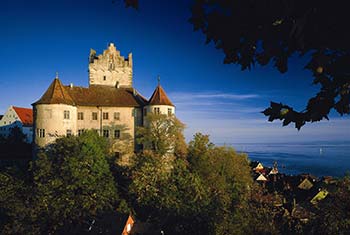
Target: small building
(259,167)
(128,226)
(17,117)
(261,178)
(274,169)
(322,194)
(305,184)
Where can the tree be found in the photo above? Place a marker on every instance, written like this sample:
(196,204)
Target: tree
(333,214)
(17,213)
(16,136)
(226,177)
(72,183)
(259,32)
(172,198)
(162,134)
(14,146)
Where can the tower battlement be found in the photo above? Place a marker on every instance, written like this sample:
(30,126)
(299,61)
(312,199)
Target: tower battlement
(110,68)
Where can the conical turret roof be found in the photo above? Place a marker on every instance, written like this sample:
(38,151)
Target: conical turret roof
(159,97)
(56,94)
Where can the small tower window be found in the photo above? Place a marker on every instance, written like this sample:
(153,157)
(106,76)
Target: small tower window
(41,132)
(104,78)
(66,114)
(156,110)
(169,112)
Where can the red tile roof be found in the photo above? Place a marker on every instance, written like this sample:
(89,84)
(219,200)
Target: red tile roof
(159,97)
(95,95)
(56,94)
(25,114)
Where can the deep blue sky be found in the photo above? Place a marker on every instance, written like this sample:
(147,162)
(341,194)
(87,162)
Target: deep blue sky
(39,38)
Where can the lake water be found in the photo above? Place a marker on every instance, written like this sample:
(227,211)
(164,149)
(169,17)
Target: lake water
(319,159)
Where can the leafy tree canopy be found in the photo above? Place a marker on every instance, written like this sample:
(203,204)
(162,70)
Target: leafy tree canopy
(162,134)
(258,32)
(73,180)
(70,184)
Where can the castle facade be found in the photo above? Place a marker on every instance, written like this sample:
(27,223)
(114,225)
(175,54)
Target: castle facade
(110,105)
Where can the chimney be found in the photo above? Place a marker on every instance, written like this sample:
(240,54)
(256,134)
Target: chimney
(71,85)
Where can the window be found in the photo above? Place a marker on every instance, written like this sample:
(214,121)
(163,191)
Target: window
(104,78)
(66,114)
(105,116)
(40,132)
(80,132)
(94,115)
(145,112)
(116,134)
(117,154)
(106,133)
(156,110)
(169,112)
(80,116)
(116,116)
(69,132)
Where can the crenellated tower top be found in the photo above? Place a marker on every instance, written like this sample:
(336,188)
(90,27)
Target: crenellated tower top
(110,68)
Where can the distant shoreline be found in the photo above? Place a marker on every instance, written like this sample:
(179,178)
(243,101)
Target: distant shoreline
(317,158)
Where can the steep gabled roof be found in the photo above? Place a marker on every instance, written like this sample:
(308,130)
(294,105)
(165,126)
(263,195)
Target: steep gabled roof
(56,94)
(259,167)
(96,95)
(305,184)
(159,97)
(25,114)
(261,177)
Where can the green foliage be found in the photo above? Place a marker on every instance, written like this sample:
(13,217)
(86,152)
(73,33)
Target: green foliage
(226,176)
(70,184)
(198,195)
(170,195)
(333,214)
(163,188)
(162,134)
(73,181)
(17,213)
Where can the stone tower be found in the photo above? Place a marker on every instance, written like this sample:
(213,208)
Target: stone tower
(110,68)
(159,103)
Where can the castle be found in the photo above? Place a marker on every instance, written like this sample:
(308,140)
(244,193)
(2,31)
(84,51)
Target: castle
(110,105)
